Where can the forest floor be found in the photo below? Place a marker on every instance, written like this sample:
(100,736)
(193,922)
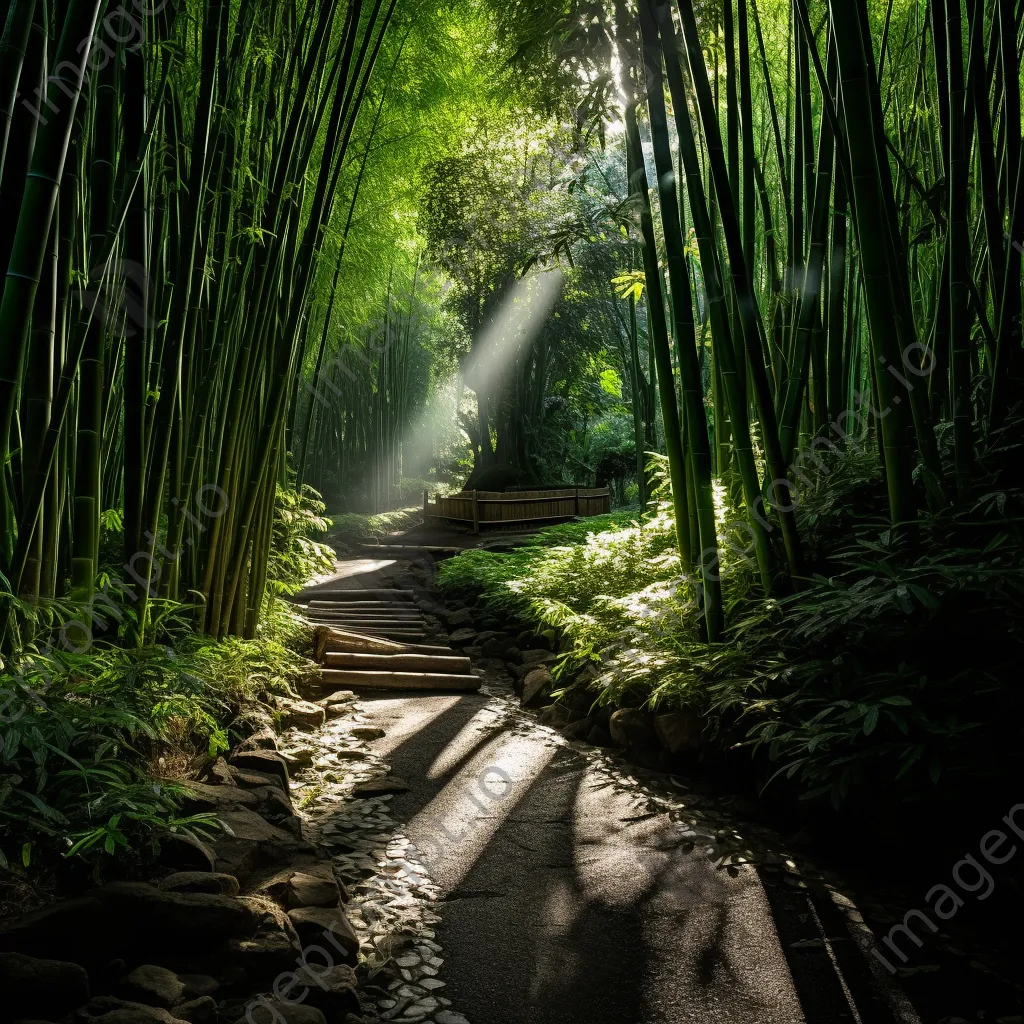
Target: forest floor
(566,885)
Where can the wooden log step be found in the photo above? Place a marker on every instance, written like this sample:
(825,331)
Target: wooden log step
(367,613)
(368,627)
(407,622)
(358,625)
(331,637)
(315,602)
(369,616)
(345,679)
(362,595)
(450,663)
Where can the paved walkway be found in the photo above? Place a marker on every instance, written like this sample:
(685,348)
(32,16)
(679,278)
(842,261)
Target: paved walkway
(566,898)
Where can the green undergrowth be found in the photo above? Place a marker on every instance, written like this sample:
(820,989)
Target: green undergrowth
(94,739)
(357,527)
(893,667)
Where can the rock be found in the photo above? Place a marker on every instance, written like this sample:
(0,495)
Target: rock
(367,732)
(378,787)
(337,710)
(203,797)
(110,1010)
(555,715)
(152,985)
(680,732)
(599,736)
(267,762)
(264,1010)
(578,730)
(264,738)
(630,727)
(43,988)
(338,697)
(301,757)
(497,647)
(301,713)
(296,889)
(271,949)
(326,927)
(76,929)
(219,773)
(537,657)
(528,639)
(185,853)
(197,1011)
(535,687)
(332,990)
(458,617)
(199,985)
(462,638)
(143,913)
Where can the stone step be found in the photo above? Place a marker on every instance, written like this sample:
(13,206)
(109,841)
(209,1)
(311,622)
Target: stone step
(346,679)
(450,663)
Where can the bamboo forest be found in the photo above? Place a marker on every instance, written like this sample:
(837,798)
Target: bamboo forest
(511,511)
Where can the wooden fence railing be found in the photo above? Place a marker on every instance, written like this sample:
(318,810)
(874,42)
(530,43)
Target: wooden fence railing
(494,508)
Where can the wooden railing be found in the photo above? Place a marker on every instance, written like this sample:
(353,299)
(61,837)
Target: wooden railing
(494,508)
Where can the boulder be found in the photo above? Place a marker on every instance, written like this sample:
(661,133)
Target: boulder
(529,639)
(268,1010)
(266,762)
(332,990)
(578,730)
(462,638)
(263,738)
(555,715)
(300,713)
(458,617)
(199,985)
(536,657)
(200,881)
(219,773)
(630,727)
(326,927)
(152,985)
(680,732)
(144,914)
(197,1011)
(315,887)
(499,647)
(77,929)
(535,687)
(111,1010)
(599,736)
(185,853)
(200,796)
(271,949)
(40,988)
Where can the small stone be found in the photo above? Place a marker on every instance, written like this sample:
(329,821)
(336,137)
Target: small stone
(301,713)
(367,732)
(448,1017)
(197,985)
